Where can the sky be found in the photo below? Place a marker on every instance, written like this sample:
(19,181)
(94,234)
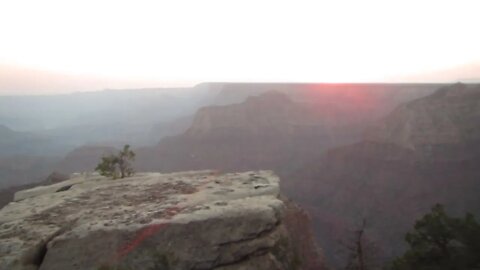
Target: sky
(63,46)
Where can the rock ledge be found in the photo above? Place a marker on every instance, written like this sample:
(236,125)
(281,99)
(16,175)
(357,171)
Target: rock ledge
(188,220)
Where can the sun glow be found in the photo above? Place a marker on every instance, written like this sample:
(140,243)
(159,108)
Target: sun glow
(217,40)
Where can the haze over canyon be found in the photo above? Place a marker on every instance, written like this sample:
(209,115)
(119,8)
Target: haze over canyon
(384,153)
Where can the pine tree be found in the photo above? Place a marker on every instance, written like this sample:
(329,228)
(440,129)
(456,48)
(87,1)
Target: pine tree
(442,242)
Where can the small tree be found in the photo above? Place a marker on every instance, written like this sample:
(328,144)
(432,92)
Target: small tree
(442,242)
(117,166)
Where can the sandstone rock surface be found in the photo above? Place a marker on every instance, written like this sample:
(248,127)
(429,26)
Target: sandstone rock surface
(189,220)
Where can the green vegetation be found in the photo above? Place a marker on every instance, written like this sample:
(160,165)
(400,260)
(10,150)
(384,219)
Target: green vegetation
(107,167)
(117,166)
(441,242)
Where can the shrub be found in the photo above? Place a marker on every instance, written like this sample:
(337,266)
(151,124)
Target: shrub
(117,166)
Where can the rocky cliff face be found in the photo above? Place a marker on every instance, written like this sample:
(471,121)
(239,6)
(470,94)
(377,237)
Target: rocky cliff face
(270,131)
(191,220)
(425,152)
(282,128)
(449,116)
(268,112)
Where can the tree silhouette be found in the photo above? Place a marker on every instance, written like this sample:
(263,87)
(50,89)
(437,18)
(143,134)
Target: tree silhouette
(362,254)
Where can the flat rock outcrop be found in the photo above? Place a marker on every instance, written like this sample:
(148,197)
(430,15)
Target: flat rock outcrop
(189,220)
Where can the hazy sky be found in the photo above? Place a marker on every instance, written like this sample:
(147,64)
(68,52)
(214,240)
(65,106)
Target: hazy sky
(92,44)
